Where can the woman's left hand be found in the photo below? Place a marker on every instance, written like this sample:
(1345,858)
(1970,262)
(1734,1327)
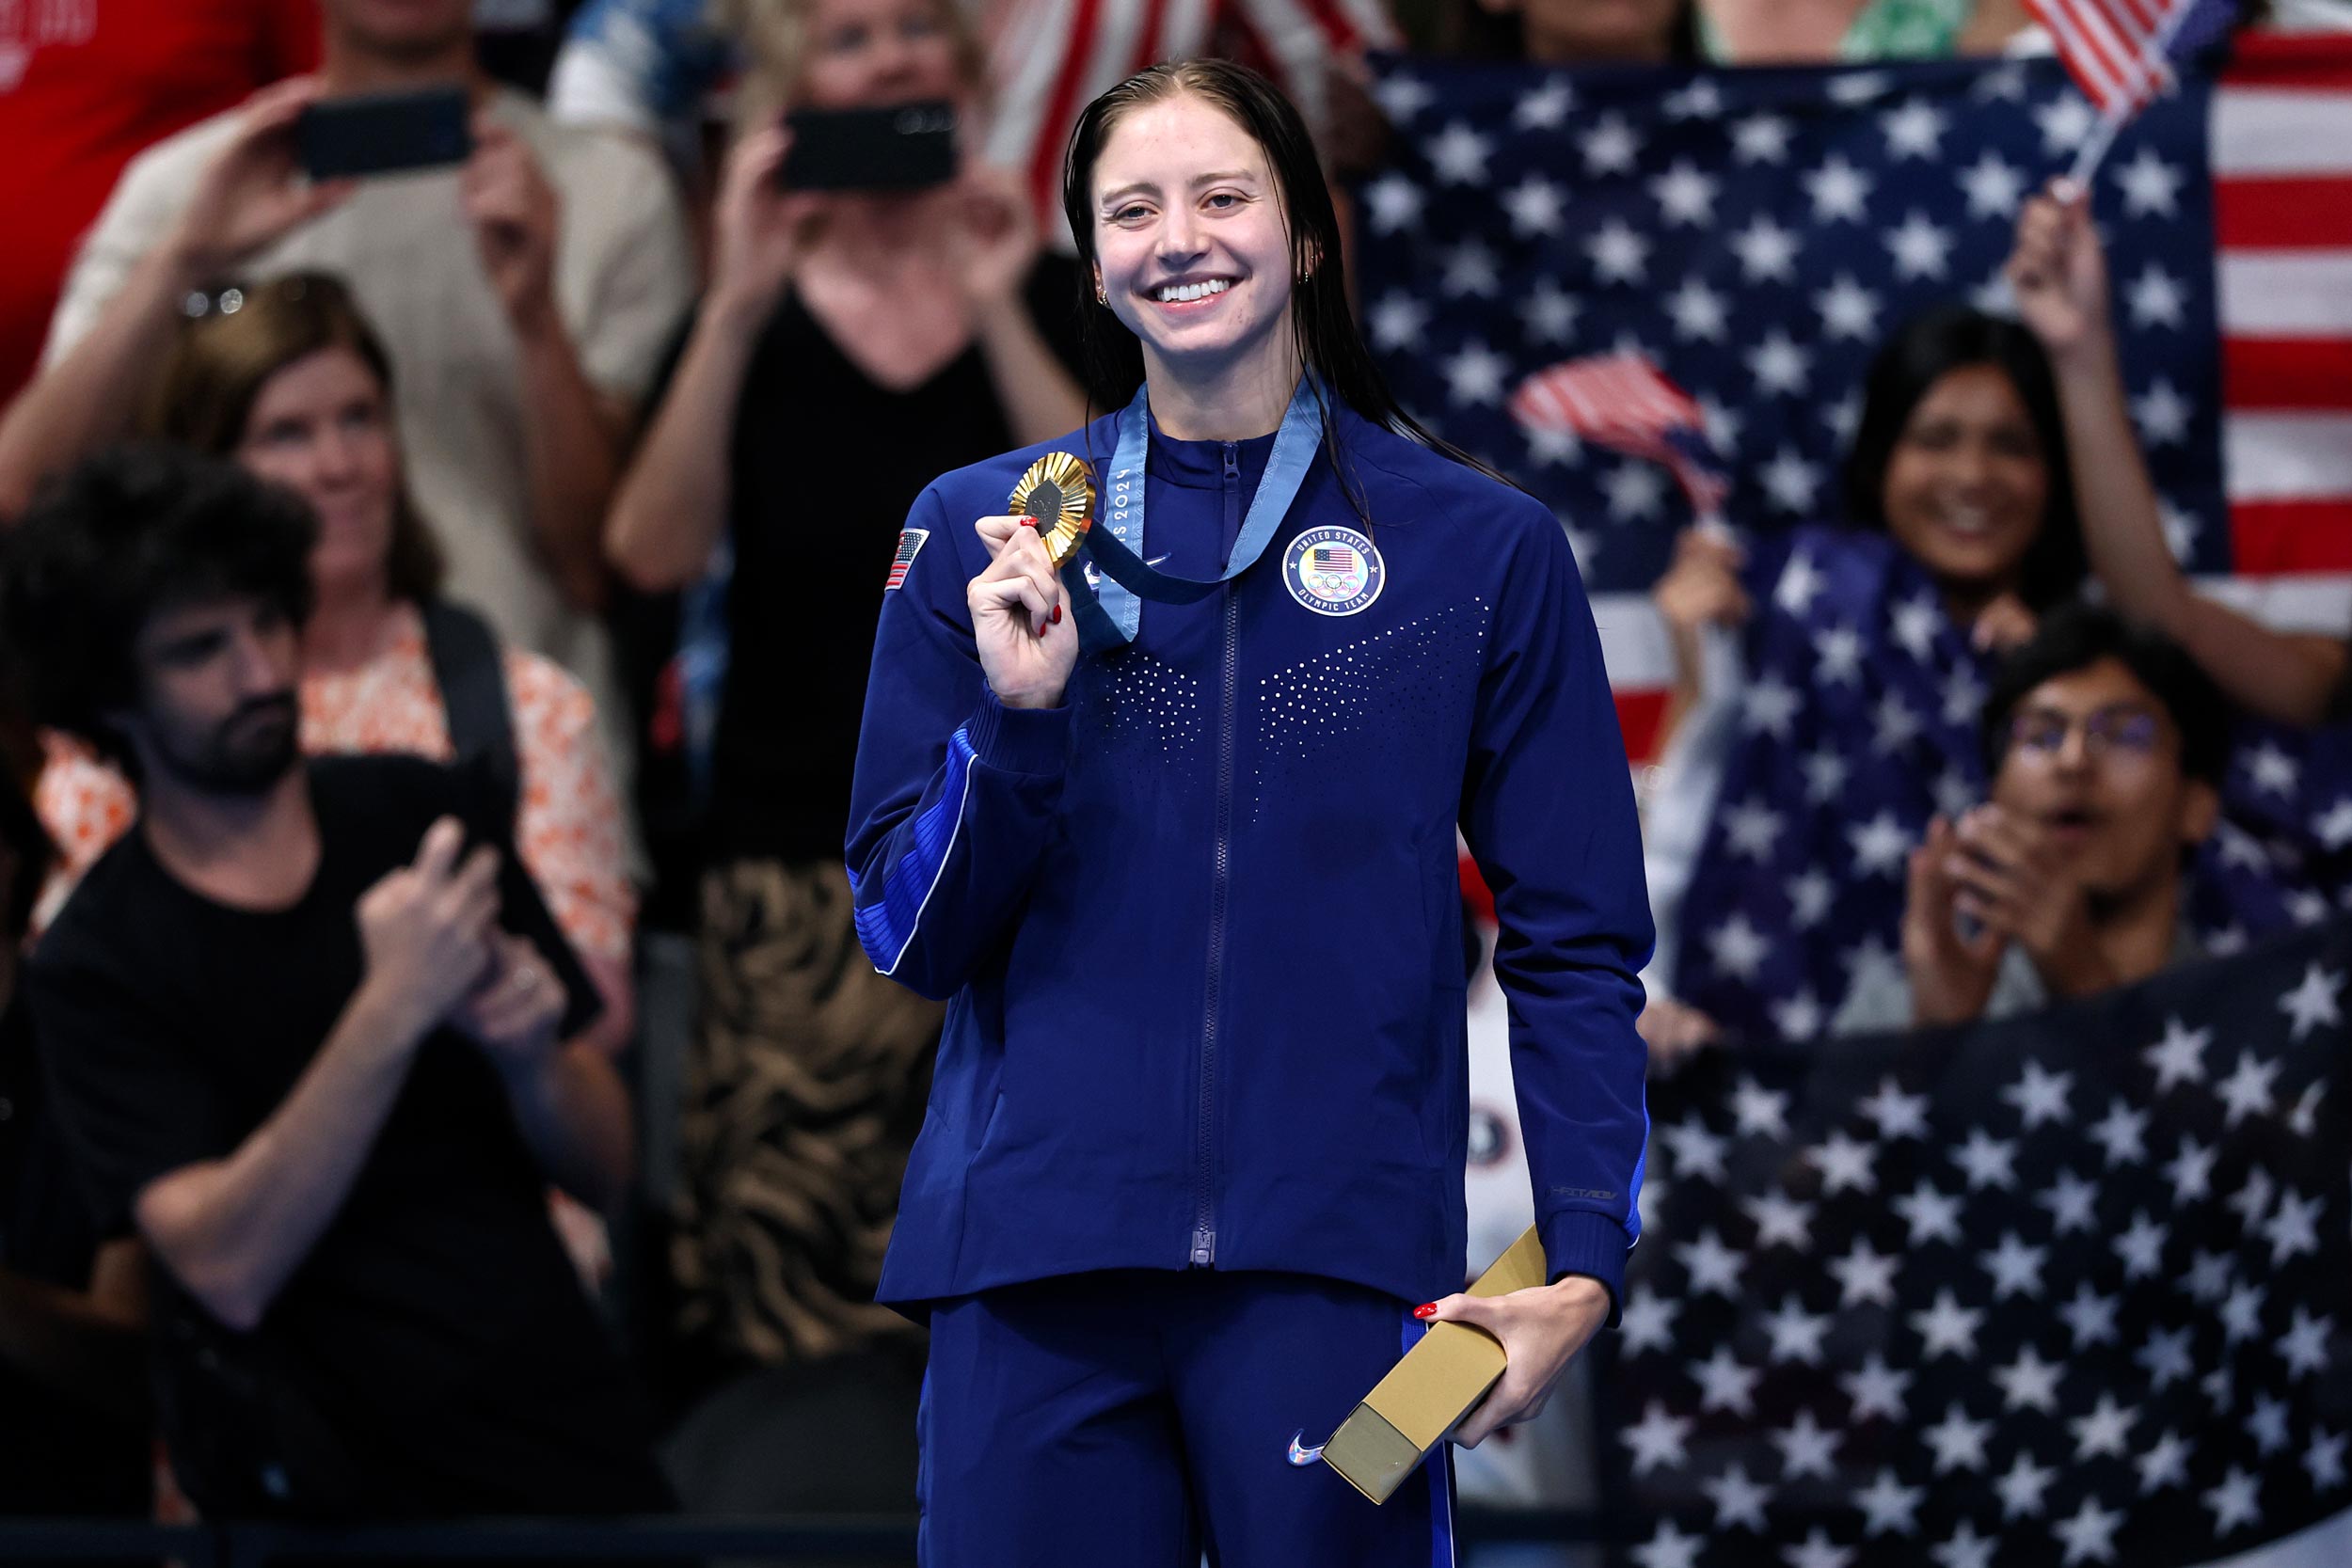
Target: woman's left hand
(996,235)
(1541,1329)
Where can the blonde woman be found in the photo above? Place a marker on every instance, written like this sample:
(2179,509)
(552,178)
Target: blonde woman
(850,346)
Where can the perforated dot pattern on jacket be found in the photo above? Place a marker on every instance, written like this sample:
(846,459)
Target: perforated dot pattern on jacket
(1391,697)
(1146,705)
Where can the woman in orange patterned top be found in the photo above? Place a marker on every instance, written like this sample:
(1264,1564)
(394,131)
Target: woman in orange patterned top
(289,379)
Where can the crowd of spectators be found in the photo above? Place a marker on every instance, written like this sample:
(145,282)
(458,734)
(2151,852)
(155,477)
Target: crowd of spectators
(551,466)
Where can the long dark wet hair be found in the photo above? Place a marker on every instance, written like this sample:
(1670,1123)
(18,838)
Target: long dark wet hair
(1321,322)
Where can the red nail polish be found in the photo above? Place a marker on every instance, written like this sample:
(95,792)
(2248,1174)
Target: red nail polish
(1426,1310)
(1055,617)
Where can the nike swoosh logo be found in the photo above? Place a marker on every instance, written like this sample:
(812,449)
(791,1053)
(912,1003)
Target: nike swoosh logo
(1094,574)
(1300,1453)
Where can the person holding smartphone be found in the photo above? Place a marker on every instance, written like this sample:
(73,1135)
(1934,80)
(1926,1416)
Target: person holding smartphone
(851,344)
(525,275)
(1195,1146)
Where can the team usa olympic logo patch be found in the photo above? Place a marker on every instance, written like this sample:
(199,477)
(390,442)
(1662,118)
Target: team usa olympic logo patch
(909,545)
(1334,571)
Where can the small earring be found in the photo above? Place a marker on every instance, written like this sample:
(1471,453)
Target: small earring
(1102,296)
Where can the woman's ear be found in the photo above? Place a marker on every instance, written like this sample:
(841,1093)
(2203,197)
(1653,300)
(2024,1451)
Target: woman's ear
(1101,296)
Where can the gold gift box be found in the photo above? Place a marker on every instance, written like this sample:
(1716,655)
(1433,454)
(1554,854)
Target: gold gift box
(1411,1411)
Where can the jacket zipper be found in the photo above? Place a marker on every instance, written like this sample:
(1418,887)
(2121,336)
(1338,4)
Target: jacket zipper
(1203,1252)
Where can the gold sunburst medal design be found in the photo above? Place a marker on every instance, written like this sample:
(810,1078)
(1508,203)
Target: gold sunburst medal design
(1057,491)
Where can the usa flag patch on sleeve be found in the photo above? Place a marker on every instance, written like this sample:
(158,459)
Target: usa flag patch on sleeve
(909,545)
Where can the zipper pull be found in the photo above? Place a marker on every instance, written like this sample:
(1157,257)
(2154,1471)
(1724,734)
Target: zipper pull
(1203,1248)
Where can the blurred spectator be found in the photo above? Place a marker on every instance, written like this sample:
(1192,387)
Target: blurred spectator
(1960,458)
(84,86)
(315,1051)
(646,68)
(295,386)
(851,347)
(526,297)
(656,67)
(2060,277)
(2106,745)
(75,1411)
(1963,531)
(1760,32)
(1574,32)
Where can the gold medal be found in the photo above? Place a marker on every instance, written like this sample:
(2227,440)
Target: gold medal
(1057,491)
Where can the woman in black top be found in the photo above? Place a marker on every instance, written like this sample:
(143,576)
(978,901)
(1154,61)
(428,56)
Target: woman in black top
(849,347)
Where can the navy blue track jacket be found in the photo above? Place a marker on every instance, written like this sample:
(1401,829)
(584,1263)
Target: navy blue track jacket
(1200,926)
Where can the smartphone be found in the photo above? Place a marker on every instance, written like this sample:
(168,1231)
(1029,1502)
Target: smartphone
(384,133)
(903,147)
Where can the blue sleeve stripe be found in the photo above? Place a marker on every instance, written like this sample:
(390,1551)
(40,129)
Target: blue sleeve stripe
(1633,1194)
(887,926)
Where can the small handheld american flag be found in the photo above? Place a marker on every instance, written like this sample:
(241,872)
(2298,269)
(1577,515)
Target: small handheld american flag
(1625,402)
(2121,53)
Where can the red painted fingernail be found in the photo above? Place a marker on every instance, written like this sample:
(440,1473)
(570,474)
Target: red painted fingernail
(1426,1309)
(1029,522)
(1055,617)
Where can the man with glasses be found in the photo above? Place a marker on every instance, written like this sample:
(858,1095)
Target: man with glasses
(2105,746)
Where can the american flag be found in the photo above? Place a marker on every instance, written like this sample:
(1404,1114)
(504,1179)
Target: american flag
(2120,52)
(910,545)
(1755,234)
(1622,401)
(2074,1289)
(1333,557)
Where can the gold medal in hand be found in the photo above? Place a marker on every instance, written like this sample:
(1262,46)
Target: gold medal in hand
(1057,491)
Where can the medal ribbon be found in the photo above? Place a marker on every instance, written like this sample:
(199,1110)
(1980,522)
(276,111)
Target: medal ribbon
(1116,540)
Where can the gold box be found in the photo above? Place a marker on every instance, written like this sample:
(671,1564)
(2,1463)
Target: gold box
(1411,1411)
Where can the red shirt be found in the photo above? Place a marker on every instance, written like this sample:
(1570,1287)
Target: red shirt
(87,83)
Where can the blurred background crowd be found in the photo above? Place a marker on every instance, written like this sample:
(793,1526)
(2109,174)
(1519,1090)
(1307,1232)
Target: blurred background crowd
(607,417)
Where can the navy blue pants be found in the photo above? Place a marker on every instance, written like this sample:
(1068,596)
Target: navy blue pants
(1140,1417)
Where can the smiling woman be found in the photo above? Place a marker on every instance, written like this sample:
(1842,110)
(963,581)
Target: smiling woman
(1961,455)
(1178,846)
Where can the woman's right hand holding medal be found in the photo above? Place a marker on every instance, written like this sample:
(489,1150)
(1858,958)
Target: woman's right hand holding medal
(1021,620)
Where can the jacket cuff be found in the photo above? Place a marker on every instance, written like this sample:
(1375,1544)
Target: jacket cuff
(1577,1240)
(1019,741)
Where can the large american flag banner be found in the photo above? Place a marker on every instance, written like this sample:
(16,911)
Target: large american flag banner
(1755,233)
(2074,1289)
